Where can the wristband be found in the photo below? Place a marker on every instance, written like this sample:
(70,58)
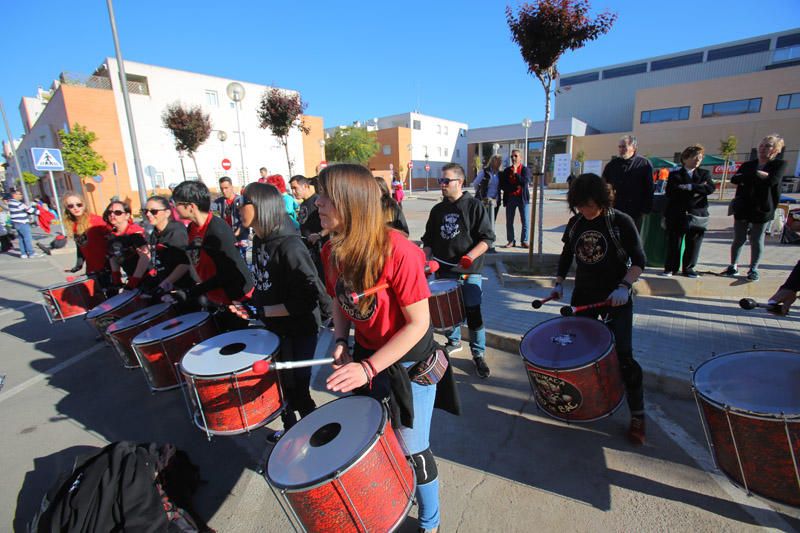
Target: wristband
(626,284)
(371,366)
(365,366)
(342,340)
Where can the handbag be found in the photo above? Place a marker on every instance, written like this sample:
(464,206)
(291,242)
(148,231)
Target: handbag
(697,222)
(431,370)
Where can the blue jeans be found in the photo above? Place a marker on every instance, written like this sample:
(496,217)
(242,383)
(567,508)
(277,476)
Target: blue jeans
(756,232)
(416,440)
(512,204)
(471,289)
(25,239)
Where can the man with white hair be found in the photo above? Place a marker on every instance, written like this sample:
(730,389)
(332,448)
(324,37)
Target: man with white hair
(631,175)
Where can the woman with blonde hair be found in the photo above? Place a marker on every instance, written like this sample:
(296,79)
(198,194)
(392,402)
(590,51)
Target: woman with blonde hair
(392,327)
(90,233)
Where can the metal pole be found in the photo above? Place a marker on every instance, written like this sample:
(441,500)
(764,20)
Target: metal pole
(55,199)
(123,80)
(14,154)
(239,127)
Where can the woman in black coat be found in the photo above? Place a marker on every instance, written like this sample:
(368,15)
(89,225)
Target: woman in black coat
(757,195)
(686,214)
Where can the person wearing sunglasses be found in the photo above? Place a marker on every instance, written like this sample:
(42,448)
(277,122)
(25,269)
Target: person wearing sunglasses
(514,182)
(166,250)
(125,246)
(457,235)
(90,233)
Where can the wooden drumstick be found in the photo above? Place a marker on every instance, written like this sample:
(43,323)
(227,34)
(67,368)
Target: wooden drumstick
(430,268)
(569,310)
(538,303)
(263,366)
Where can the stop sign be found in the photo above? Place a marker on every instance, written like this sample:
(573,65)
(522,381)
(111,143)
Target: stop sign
(410,164)
(427,168)
(226,164)
(323,164)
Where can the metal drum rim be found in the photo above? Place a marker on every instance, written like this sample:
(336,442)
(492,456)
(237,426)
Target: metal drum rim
(164,339)
(136,325)
(267,357)
(611,346)
(133,294)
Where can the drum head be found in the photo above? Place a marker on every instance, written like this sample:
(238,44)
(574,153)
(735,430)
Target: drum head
(441,286)
(564,343)
(170,328)
(325,442)
(230,352)
(115,302)
(759,382)
(139,317)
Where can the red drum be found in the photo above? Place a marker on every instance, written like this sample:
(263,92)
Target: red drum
(125,329)
(749,403)
(446,304)
(227,398)
(160,348)
(116,307)
(68,300)
(573,368)
(342,469)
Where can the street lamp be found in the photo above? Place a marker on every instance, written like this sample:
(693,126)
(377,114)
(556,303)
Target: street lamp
(526,123)
(235,92)
(222,136)
(322,149)
(428,170)
(410,160)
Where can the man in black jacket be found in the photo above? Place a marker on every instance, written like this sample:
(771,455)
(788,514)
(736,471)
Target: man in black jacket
(514,182)
(631,175)
(457,234)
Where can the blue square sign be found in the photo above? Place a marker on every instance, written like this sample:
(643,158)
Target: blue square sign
(47,159)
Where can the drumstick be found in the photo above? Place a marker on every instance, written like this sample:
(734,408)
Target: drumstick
(569,310)
(263,366)
(749,304)
(538,303)
(430,268)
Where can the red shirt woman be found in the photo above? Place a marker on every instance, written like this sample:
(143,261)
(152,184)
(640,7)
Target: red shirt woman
(90,233)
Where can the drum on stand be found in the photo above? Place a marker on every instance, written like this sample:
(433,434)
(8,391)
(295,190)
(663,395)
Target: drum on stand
(159,349)
(749,404)
(116,307)
(446,304)
(68,300)
(342,468)
(225,395)
(123,331)
(573,368)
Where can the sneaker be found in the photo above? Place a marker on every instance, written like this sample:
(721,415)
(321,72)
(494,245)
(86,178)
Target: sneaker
(452,348)
(275,436)
(753,275)
(730,271)
(44,248)
(636,430)
(481,367)
(690,273)
(667,274)
(23,256)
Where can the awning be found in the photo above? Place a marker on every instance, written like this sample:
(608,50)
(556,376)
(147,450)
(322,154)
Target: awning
(712,160)
(659,162)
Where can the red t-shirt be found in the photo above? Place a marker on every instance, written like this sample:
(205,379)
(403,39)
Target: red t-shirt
(204,263)
(404,271)
(229,211)
(513,179)
(93,244)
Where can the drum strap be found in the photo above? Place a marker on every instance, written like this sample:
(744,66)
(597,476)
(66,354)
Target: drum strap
(424,466)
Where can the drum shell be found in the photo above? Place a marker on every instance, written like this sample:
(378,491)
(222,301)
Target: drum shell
(122,340)
(103,320)
(763,444)
(371,488)
(236,402)
(73,299)
(158,358)
(447,309)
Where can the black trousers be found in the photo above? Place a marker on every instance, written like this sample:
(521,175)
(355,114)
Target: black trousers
(296,383)
(691,254)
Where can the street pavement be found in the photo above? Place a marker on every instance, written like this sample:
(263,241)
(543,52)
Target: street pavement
(503,465)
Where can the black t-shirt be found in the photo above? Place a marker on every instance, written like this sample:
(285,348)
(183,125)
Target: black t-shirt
(308,217)
(170,252)
(600,266)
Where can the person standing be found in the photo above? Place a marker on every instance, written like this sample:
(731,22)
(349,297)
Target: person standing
(686,214)
(20,214)
(227,208)
(91,234)
(457,235)
(391,209)
(277,181)
(311,229)
(606,246)
(631,176)
(757,195)
(514,183)
(487,188)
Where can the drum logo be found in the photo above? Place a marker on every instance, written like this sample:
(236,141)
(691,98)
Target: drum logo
(591,247)
(193,251)
(555,394)
(564,339)
(344,290)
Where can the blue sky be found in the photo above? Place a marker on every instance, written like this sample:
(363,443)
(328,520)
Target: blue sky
(356,60)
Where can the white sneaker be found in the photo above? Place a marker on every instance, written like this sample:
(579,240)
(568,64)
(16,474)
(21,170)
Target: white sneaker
(23,256)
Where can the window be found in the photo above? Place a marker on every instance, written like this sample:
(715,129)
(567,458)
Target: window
(439,129)
(446,152)
(387,149)
(236,138)
(618,72)
(439,150)
(739,50)
(580,78)
(788,101)
(417,125)
(665,115)
(734,107)
(211,98)
(458,152)
(445,130)
(678,61)
(787,54)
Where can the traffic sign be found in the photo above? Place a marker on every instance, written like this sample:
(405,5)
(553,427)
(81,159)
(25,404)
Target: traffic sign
(410,164)
(226,164)
(427,168)
(98,178)
(323,164)
(47,159)
(151,171)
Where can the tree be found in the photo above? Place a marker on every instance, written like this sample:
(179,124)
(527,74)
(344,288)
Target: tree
(30,178)
(351,145)
(189,126)
(79,156)
(544,30)
(727,148)
(281,112)
(580,157)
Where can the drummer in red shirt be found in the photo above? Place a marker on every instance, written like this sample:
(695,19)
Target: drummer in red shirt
(125,239)
(90,232)
(392,327)
(221,269)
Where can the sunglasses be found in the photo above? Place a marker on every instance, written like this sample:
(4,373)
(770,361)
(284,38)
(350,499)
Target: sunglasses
(71,206)
(446,181)
(153,212)
(116,212)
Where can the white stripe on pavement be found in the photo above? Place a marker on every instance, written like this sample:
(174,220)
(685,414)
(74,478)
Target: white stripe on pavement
(20,308)
(762,513)
(50,372)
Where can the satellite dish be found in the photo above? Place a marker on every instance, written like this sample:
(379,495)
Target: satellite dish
(235,91)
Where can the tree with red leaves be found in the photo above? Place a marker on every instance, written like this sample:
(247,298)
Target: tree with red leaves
(280,112)
(544,30)
(189,126)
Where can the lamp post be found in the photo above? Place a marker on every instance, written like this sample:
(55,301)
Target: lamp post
(183,170)
(410,160)
(428,171)
(322,152)
(236,93)
(222,136)
(526,123)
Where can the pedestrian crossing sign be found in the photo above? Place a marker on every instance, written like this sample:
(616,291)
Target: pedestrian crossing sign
(47,159)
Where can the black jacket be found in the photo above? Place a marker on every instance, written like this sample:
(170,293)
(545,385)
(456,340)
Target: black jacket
(170,252)
(756,199)
(308,217)
(682,202)
(632,180)
(455,228)
(231,272)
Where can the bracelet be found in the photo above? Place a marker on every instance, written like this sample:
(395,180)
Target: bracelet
(342,340)
(626,284)
(371,367)
(366,368)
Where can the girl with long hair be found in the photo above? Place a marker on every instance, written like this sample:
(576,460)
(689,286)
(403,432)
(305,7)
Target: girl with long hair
(90,233)
(125,244)
(392,327)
